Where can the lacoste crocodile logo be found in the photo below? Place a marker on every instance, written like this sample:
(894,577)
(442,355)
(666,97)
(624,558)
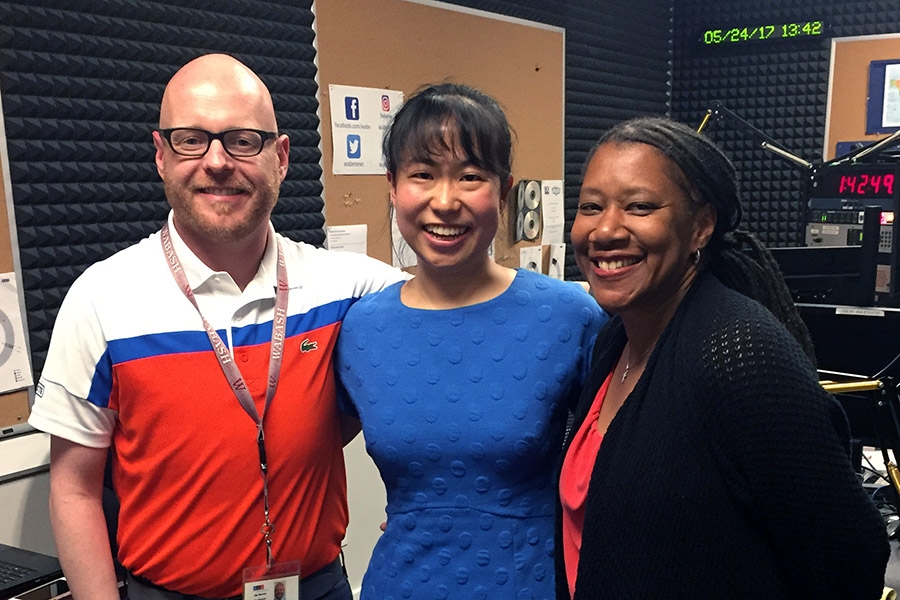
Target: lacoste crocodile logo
(308,346)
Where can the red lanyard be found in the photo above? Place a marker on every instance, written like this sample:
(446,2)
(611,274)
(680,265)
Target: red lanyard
(233,374)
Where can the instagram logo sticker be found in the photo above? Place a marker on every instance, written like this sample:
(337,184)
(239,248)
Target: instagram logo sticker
(385,103)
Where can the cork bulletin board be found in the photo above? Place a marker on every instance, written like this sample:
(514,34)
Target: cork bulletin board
(14,406)
(848,87)
(404,45)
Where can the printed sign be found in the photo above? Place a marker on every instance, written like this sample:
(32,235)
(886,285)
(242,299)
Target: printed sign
(359,118)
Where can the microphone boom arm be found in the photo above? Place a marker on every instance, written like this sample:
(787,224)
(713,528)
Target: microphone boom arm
(717,111)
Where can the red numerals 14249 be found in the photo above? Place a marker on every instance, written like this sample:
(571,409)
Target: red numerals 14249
(867,183)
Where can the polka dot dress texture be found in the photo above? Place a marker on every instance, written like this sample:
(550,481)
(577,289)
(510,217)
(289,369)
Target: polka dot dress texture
(463,412)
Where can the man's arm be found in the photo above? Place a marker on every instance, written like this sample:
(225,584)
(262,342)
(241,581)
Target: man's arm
(76,513)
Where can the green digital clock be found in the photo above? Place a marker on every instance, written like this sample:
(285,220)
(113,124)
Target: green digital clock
(763,32)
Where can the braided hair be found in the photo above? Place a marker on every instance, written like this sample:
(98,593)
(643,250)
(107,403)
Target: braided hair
(737,258)
(744,264)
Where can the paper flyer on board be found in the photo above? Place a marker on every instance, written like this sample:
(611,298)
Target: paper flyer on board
(359,118)
(553,209)
(15,364)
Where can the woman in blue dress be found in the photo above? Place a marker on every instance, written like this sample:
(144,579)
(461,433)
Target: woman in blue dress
(462,377)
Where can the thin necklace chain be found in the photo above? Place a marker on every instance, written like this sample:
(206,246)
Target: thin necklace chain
(628,364)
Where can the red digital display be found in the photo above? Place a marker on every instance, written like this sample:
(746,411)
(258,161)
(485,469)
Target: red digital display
(866,184)
(857,182)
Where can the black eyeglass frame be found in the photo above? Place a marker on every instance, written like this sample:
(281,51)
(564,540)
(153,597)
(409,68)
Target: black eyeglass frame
(264,135)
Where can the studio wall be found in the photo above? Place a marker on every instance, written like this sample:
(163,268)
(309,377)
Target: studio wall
(778,86)
(618,65)
(80,87)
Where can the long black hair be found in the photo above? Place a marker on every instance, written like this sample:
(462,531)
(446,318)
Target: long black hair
(737,258)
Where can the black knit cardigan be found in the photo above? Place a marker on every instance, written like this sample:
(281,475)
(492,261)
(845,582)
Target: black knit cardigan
(726,473)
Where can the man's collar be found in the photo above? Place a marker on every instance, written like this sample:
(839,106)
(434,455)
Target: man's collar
(198,273)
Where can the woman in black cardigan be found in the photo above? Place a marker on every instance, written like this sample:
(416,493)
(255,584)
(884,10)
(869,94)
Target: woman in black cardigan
(705,461)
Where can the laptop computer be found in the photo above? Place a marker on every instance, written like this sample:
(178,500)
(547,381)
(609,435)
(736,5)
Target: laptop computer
(22,570)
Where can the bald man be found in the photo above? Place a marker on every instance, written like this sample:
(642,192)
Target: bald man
(201,359)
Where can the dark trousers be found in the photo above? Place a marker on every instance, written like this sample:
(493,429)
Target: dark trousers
(328,583)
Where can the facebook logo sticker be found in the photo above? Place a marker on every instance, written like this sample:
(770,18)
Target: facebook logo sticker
(351,108)
(354,146)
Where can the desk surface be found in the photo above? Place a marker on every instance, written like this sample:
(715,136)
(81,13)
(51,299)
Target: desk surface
(24,454)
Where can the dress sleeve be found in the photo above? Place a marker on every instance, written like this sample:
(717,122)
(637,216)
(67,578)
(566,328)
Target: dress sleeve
(344,355)
(344,400)
(787,441)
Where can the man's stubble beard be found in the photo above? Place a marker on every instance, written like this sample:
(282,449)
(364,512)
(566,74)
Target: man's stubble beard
(180,199)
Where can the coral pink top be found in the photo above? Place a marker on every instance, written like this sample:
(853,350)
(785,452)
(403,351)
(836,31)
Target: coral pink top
(574,480)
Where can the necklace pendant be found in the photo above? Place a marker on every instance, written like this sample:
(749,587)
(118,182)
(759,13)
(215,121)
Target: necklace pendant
(625,373)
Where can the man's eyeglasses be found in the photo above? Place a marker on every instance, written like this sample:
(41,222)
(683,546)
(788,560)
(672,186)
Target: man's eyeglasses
(239,143)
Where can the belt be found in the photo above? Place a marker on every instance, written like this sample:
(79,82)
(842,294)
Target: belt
(311,586)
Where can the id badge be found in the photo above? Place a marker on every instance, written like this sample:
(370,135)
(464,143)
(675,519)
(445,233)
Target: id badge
(281,582)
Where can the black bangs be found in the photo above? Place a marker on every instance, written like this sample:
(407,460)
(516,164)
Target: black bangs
(449,118)
(429,138)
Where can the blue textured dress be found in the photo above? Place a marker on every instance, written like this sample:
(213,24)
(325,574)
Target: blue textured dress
(463,412)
